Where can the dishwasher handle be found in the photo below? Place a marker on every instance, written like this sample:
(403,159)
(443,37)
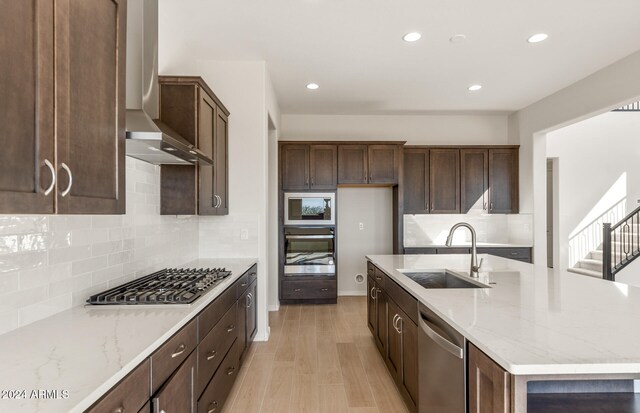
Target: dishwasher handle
(439,340)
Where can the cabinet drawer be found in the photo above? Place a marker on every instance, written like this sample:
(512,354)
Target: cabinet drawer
(403,299)
(245,281)
(214,346)
(308,289)
(172,353)
(129,395)
(513,253)
(379,277)
(216,393)
(210,316)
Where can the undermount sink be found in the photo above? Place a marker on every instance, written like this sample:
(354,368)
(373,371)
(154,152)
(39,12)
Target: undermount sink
(441,279)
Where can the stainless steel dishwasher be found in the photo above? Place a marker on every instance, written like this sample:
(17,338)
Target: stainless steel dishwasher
(443,367)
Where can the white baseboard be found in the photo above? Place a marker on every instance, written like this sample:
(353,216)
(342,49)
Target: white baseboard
(263,337)
(274,307)
(352,293)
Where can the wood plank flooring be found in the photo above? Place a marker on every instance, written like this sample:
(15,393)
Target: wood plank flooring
(319,359)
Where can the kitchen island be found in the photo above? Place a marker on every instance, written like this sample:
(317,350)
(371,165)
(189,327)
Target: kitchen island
(538,325)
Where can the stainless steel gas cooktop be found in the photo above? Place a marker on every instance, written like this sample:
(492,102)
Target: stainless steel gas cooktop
(168,286)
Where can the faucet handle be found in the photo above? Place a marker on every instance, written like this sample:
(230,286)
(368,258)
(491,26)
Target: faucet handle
(480,265)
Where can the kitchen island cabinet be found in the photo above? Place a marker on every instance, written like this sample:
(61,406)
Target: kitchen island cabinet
(511,365)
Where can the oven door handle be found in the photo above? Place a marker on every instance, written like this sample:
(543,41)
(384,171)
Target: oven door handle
(309,236)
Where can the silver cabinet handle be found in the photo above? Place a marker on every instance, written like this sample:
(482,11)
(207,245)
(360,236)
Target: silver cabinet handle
(219,201)
(119,409)
(324,289)
(231,328)
(399,325)
(243,284)
(181,348)
(250,300)
(212,407)
(53,177)
(371,293)
(230,371)
(393,323)
(439,340)
(211,355)
(66,191)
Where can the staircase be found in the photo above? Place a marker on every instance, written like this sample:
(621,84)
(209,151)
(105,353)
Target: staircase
(592,264)
(620,246)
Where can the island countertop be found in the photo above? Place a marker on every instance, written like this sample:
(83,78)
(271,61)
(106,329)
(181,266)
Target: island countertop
(533,320)
(87,350)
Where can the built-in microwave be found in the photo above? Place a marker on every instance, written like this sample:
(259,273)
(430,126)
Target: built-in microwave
(310,208)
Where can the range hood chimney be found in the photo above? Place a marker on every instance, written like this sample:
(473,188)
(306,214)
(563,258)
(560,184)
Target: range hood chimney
(148,139)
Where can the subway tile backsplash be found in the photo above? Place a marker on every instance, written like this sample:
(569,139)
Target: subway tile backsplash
(432,229)
(54,262)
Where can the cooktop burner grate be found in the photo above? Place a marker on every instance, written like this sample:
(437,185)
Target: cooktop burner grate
(168,286)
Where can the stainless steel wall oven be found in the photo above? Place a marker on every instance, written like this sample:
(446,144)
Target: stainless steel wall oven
(309,251)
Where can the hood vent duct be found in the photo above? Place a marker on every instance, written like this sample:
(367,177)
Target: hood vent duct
(148,139)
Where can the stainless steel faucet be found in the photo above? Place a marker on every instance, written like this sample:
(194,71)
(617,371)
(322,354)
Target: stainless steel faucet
(473,272)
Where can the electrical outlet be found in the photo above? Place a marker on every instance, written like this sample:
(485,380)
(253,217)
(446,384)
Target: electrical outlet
(244,234)
(361,226)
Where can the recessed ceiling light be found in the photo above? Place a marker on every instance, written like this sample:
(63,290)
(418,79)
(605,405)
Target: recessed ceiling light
(411,37)
(312,86)
(473,88)
(458,38)
(537,38)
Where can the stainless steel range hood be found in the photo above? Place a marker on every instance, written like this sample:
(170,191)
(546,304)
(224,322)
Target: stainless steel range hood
(149,139)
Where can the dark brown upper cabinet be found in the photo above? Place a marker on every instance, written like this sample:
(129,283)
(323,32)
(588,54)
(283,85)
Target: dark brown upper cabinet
(295,167)
(383,164)
(84,150)
(189,106)
(27,157)
(503,181)
(416,181)
(444,181)
(375,164)
(309,166)
(352,164)
(474,180)
(323,166)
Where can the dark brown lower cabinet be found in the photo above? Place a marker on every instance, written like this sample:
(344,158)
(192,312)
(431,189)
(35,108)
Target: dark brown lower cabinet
(129,395)
(395,333)
(489,384)
(219,387)
(177,394)
(247,319)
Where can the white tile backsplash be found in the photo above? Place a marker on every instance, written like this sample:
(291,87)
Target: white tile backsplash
(432,229)
(49,263)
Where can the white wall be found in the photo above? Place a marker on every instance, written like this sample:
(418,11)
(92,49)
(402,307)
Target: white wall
(373,208)
(606,89)
(593,156)
(415,129)
(51,263)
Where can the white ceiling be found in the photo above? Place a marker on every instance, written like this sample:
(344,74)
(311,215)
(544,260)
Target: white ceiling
(354,51)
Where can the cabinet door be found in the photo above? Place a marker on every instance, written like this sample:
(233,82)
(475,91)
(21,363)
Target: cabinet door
(444,182)
(383,164)
(503,181)
(295,167)
(242,325)
(381,320)
(221,162)
(26,107)
(474,179)
(416,181)
(207,201)
(371,305)
(90,104)
(127,396)
(252,313)
(394,355)
(323,164)
(408,378)
(352,164)
(177,394)
(489,384)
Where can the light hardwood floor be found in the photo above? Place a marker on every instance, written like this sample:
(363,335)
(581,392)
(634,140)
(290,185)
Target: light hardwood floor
(319,359)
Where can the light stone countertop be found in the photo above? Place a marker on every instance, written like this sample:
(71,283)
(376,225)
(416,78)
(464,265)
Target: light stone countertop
(87,350)
(533,320)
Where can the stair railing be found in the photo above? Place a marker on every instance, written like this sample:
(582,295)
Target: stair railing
(620,244)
